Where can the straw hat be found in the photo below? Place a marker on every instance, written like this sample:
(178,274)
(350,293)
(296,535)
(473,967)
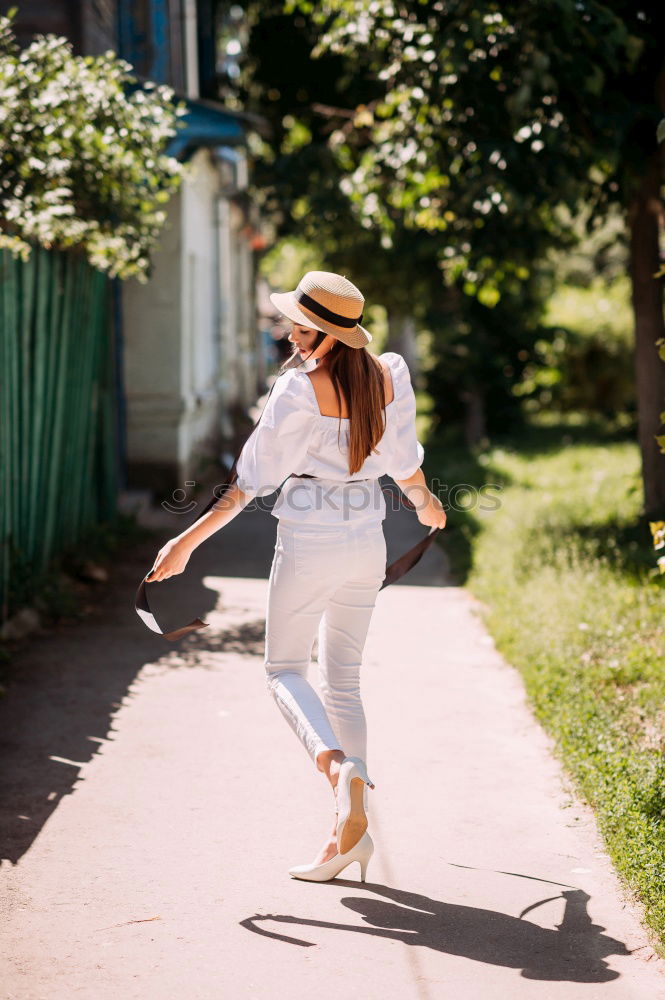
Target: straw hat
(327,302)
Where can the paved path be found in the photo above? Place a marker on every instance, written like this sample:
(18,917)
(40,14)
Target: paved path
(153,797)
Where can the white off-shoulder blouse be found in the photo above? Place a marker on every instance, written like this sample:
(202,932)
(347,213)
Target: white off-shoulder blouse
(294,437)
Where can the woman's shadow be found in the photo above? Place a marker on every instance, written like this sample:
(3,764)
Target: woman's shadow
(572,952)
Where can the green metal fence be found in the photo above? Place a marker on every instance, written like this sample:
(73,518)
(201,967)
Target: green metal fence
(58,454)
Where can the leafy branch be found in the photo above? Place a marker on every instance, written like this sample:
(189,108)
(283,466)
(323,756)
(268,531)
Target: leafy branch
(82,161)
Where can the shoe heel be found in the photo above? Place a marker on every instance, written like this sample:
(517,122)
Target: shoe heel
(365,856)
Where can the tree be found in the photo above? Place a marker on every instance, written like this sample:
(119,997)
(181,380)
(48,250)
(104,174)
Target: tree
(307,179)
(493,115)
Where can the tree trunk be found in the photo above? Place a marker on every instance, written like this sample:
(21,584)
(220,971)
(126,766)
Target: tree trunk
(402,340)
(475,429)
(643,216)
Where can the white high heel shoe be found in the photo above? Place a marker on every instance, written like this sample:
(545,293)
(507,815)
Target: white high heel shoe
(361,852)
(351,816)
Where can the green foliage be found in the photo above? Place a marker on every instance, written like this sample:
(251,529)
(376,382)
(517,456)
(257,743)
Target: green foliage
(81,153)
(571,371)
(583,357)
(481,355)
(287,261)
(443,148)
(489,118)
(597,307)
(437,152)
(308,188)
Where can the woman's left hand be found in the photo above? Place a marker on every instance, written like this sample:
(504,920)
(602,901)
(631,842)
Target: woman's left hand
(171,560)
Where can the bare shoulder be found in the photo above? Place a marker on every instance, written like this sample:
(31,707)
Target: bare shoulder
(325,392)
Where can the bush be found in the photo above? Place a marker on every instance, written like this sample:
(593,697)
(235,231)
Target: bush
(571,372)
(81,154)
(583,357)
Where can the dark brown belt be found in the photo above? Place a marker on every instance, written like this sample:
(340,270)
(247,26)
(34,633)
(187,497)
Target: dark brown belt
(396,569)
(306,475)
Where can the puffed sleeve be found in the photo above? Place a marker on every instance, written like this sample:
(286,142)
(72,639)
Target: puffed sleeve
(407,453)
(278,445)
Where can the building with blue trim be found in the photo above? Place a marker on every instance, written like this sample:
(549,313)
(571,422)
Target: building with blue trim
(192,354)
(190,357)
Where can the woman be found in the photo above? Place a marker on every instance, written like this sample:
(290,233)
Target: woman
(336,420)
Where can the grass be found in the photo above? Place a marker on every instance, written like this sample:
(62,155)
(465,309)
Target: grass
(565,569)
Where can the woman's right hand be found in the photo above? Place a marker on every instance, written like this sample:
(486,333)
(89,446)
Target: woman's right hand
(432,514)
(171,559)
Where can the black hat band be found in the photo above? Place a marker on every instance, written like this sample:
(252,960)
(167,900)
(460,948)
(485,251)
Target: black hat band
(323,313)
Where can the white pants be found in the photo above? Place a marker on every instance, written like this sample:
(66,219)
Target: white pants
(323,579)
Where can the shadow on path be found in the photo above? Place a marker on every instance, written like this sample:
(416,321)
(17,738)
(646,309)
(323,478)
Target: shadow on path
(572,952)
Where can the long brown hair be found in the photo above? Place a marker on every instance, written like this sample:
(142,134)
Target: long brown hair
(357,376)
